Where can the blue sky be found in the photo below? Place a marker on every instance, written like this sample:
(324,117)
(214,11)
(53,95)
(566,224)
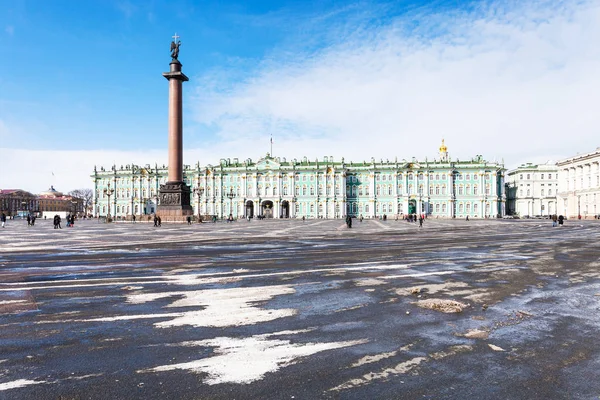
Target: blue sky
(81,82)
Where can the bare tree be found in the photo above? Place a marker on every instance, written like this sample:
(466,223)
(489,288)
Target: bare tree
(86,195)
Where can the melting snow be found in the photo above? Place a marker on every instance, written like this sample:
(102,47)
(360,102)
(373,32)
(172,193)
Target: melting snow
(248,359)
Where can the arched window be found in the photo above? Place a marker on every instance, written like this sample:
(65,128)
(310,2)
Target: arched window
(312,190)
(443,189)
(437,189)
(461,208)
(400,189)
(475,190)
(410,189)
(468,208)
(437,178)
(312,208)
(468,189)
(443,208)
(400,208)
(378,190)
(437,207)
(410,177)
(443,177)
(285,190)
(320,190)
(431,189)
(461,190)
(384,208)
(390,191)
(304,190)
(475,208)
(366,208)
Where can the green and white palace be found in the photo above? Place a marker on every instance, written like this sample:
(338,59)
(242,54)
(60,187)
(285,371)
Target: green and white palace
(274,187)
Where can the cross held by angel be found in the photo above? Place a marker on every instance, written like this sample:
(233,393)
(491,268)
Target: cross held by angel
(175,47)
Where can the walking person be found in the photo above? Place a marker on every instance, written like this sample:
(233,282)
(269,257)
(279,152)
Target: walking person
(159,221)
(3,220)
(554,220)
(28,220)
(155,220)
(133,218)
(561,220)
(189,220)
(420,221)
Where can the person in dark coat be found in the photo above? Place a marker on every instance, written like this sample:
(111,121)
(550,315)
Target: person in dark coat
(28,220)
(561,220)
(3,220)
(155,220)
(349,221)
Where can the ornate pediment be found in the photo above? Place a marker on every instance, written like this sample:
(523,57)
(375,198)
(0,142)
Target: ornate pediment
(267,163)
(412,165)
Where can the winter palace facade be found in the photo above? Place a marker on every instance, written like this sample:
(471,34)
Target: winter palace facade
(273,187)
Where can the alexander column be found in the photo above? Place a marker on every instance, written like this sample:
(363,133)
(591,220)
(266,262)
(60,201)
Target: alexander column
(175,194)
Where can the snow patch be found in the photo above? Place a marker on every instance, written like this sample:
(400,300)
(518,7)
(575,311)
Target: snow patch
(249,359)
(18,384)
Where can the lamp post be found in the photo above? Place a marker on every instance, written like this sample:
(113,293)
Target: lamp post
(198,191)
(579,206)
(230,196)
(108,192)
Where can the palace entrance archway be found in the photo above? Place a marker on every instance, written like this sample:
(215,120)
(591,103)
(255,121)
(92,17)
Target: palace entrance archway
(267,209)
(412,207)
(249,209)
(285,209)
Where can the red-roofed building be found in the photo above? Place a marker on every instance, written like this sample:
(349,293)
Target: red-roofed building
(53,202)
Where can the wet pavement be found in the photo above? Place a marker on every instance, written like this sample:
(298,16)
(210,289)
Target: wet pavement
(300,310)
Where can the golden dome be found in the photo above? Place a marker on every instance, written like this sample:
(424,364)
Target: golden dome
(443,148)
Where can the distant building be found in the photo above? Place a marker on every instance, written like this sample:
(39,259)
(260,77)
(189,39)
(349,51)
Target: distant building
(579,185)
(15,202)
(274,187)
(532,190)
(52,202)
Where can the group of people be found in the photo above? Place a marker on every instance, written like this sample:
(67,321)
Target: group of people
(157,220)
(30,220)
(558,220)
(57,221)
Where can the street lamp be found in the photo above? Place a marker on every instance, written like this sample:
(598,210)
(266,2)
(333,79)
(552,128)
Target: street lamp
(579,206)
(198,191)
(230,196)
(108,192)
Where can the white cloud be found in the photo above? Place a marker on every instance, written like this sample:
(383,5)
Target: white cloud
(511,81)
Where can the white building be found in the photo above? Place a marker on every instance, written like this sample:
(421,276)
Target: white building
(579,185)
(532,190)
